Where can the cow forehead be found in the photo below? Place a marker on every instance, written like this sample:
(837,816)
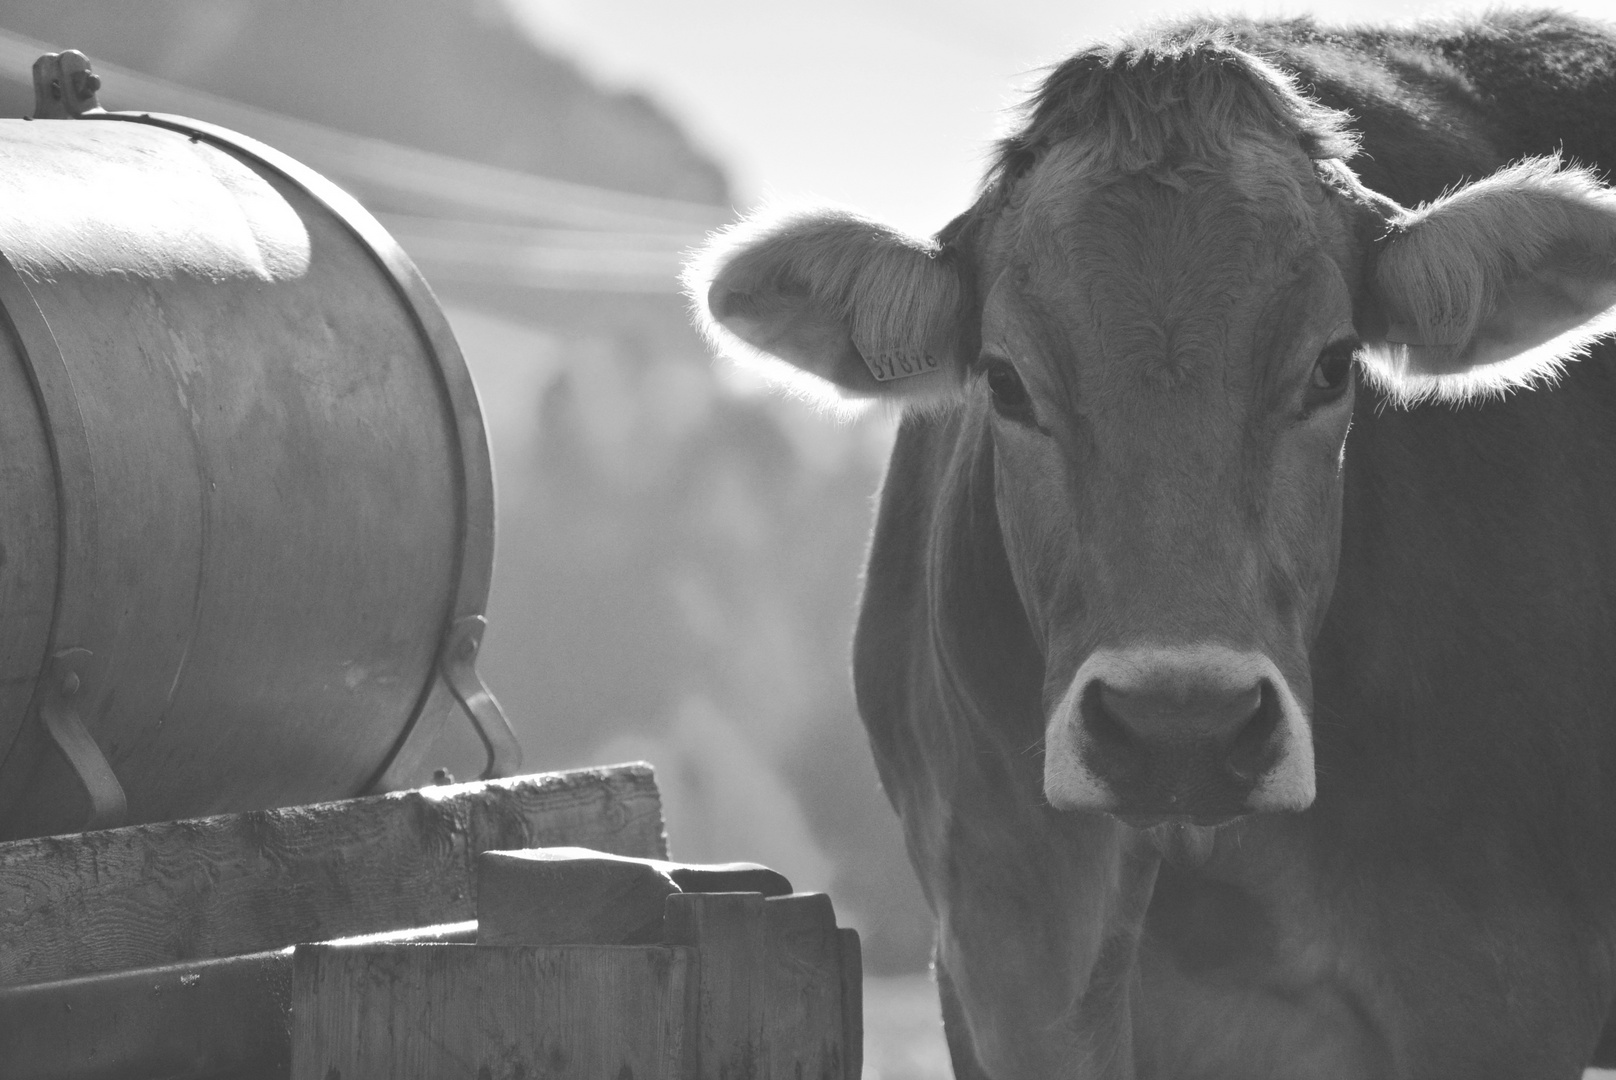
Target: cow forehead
(1261,183)
(1170,272)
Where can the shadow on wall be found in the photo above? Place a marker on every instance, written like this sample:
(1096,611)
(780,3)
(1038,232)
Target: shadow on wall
(675,579)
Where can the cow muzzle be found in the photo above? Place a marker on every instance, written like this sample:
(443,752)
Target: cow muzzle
(1200,734)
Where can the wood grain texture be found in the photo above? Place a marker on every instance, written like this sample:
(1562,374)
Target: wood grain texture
(568,896)
(729,931)
(803,1021)
(241,883)
(578,896)
(852,1002)
(221,1018)
(204,1018)
(590,1012)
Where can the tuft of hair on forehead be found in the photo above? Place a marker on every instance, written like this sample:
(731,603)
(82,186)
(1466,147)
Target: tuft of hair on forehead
(1182,95)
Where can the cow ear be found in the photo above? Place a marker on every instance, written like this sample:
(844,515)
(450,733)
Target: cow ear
(854,309)
(1495,285)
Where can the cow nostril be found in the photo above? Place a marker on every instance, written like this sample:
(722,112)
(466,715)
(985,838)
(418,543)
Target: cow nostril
(1114,751)
(1253,752)
(1131,732)
(1104,726)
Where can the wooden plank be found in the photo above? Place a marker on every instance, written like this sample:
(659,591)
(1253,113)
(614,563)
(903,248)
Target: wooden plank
(577,896)
(201,1018)
(852,1002)
(591,1012)
(149,895)
(727,877)
(803,1020)
(569,896)
(728,930)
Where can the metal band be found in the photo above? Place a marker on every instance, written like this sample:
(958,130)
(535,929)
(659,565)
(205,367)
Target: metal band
(475,557)
(76,548)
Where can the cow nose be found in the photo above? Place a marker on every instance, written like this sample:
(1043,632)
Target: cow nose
(1179,736)
(1194,732)
(1166,714)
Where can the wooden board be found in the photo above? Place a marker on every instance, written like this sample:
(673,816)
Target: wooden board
(577,896)
(803,1016)
(569,896)
(201,1018)
(590,1012)
(852,1002)
(242,883)
(729,931)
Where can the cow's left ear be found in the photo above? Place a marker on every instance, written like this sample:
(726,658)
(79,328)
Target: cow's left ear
(833,306)
(1496,284)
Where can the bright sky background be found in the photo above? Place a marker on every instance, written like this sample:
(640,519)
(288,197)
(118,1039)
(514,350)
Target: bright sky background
(883,105)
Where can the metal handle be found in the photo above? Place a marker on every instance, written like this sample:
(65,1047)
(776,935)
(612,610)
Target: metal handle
(64,681)
(458,666)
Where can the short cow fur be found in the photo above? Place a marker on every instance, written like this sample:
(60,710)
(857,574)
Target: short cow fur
(1239,639)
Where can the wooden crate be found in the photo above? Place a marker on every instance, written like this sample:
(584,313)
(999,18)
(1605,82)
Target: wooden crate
(729,986)
(455,936)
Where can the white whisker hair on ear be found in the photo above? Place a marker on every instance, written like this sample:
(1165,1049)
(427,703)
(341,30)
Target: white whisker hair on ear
(830,307)
(1387,368)
(1496,285)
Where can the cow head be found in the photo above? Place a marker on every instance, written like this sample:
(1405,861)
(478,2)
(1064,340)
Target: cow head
(1160,307)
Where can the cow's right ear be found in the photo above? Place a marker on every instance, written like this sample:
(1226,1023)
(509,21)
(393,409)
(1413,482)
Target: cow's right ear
(860,310)
(1495,285)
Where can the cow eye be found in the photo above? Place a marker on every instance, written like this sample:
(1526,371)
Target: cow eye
(1009,392)
(1332,372)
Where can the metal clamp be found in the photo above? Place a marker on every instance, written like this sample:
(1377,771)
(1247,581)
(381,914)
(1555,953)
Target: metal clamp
(64,682)
(64,86)
(458,666)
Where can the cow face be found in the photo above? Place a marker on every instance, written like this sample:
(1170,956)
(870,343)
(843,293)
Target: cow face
(1164,352)
(1167,358)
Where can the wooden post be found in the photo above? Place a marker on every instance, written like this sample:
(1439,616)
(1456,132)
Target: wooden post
(852,1002)
(728,930)
(804,1018)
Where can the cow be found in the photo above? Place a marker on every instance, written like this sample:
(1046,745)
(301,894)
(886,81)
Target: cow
(1238,643)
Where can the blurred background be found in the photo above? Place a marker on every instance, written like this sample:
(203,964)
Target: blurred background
(678,552)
